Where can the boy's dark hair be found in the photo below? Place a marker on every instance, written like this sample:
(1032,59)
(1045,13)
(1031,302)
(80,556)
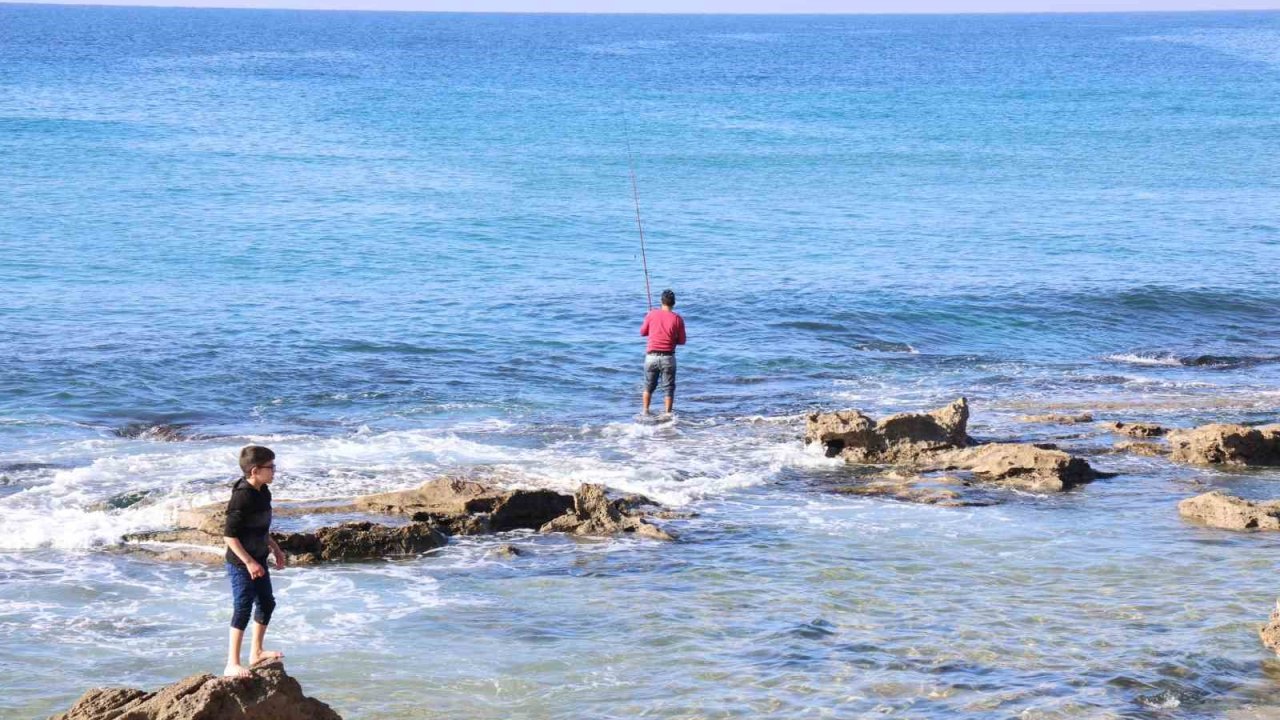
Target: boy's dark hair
(252,456)
(668,298)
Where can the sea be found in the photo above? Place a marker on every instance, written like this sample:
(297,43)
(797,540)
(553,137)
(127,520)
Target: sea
(399,246)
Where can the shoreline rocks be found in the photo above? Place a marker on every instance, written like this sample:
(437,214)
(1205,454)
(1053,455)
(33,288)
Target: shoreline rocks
(898,439)
(939,441)
(436,509)
(269,694)
(1226,444)
(1228,512)
(1136,430)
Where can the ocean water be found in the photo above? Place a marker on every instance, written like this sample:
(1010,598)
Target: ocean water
(394,246)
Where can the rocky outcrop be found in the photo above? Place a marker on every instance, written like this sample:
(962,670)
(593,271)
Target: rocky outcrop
(1023,467)
(897,439)
(465,507)
(360,541)
(945,490)
(1137,430)
(270,694)
(1222,444)
(1220,510)
(1270,633)
(337,543)
(593,514)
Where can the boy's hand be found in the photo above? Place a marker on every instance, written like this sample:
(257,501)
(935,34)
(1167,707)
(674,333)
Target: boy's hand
(255,570)
(279,557)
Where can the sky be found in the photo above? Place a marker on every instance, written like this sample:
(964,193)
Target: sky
(722,6)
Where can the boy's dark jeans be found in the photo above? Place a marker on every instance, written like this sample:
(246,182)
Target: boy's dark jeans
(246,592)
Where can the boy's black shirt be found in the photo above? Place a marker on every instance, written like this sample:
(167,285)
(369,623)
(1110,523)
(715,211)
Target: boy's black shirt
(249,521)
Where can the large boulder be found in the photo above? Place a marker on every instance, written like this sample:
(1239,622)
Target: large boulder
(593,514)
(1023,467)
(270,694)
(897,439)
(1223,444)
(1219,510)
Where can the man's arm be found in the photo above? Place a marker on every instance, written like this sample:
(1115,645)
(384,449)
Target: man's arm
(644,327)
(680,332)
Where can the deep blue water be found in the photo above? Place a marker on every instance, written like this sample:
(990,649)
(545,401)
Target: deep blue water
(400,244)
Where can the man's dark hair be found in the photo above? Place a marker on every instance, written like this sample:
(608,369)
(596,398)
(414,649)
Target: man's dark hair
(668,298)
(252,456)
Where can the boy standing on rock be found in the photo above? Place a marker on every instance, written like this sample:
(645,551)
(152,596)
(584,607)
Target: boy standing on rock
(248,539)
(665,329)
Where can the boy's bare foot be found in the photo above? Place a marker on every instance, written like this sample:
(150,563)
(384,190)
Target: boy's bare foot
(236,671)
(265,656)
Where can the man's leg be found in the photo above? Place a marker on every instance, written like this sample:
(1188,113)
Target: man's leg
(651,372)
(645,399)
(669,380)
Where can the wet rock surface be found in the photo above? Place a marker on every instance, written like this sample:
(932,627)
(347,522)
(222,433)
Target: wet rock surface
(594,514)
(897,439)
(1058,418)
(360,541)
(1220,510)
(1136,447)
(1226,444)
(270,694)
(1137,430)
(1024,467)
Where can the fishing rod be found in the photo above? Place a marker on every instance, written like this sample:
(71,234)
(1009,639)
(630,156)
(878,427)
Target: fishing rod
(635,195)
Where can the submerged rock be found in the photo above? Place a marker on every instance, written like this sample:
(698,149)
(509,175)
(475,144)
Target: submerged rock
(593,514)
(270,694)
(897,439)
(1137,430)
(443,496)
(1057,419)
(466,507)
(1223,444)
(1270,633)
(1220,510)
(1141,448)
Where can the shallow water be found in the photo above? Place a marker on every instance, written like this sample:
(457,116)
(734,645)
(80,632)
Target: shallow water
(393,246)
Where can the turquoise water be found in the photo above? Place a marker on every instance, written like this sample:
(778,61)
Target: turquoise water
(397,245)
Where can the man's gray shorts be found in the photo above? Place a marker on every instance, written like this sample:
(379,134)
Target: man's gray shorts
(660,368)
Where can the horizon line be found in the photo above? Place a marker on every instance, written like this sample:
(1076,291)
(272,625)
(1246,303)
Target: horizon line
(691,13)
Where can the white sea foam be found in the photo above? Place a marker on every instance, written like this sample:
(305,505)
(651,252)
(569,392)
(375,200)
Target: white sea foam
(1138,359)
(676,464)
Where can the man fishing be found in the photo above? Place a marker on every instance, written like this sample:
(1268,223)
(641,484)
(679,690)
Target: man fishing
(665,329)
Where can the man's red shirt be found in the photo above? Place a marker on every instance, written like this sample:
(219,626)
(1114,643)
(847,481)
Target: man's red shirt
(664,328)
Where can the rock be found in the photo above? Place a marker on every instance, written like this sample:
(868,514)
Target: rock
(271,694)
(339,543)
(506,550)
(163,432)
(444,496)
(1222,444)
(212,518)
(1023,467)
(593,514)
(360,541)
(1058,419)
(1141,448)
(457,506)
(1270,633)
(1138,430)
(907,493)
(122,500)
(902,438)
(1219,510)
(528,509)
